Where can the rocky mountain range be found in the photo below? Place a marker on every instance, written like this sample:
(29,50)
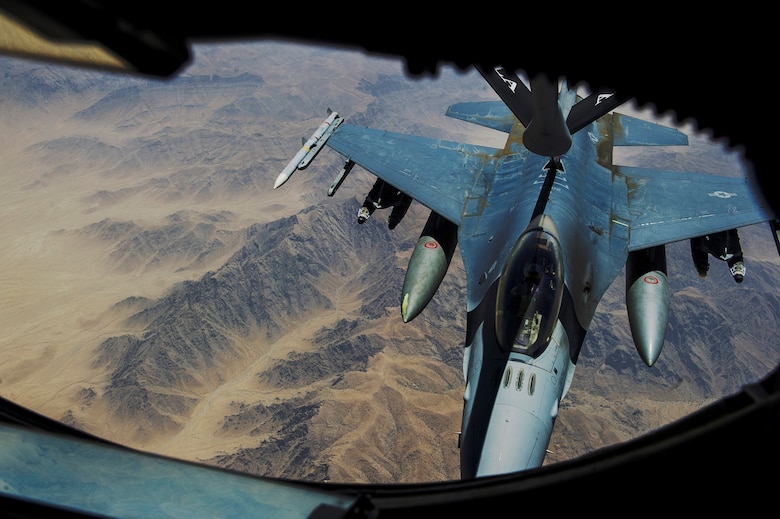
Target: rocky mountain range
(159,293)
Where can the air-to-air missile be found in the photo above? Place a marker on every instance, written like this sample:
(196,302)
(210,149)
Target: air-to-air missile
(310,148)
(647,300)
(428,264)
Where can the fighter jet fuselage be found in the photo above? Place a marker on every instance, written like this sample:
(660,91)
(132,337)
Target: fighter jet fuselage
(533,298)
(542,237)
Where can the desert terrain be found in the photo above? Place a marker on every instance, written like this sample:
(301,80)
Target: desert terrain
(157,292)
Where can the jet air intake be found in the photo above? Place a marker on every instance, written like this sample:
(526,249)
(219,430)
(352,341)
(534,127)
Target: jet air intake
(530,290)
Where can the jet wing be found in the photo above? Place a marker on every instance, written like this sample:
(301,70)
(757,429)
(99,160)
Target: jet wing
(668,206)
(438,174)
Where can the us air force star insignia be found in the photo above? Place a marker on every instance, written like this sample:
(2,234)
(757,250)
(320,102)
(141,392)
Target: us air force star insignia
(722,194)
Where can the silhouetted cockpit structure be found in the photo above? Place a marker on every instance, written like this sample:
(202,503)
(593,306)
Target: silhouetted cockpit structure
(530,291)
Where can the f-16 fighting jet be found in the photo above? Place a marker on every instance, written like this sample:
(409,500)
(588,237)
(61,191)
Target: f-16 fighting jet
(544,225)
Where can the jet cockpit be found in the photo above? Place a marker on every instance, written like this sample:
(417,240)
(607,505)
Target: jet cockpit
(530,290)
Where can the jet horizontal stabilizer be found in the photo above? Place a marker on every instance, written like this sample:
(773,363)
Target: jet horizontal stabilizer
(630,131)
(490,114)
(537,110)
(512,91)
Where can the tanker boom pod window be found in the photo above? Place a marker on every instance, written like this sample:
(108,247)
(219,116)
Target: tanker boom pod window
(530,293)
